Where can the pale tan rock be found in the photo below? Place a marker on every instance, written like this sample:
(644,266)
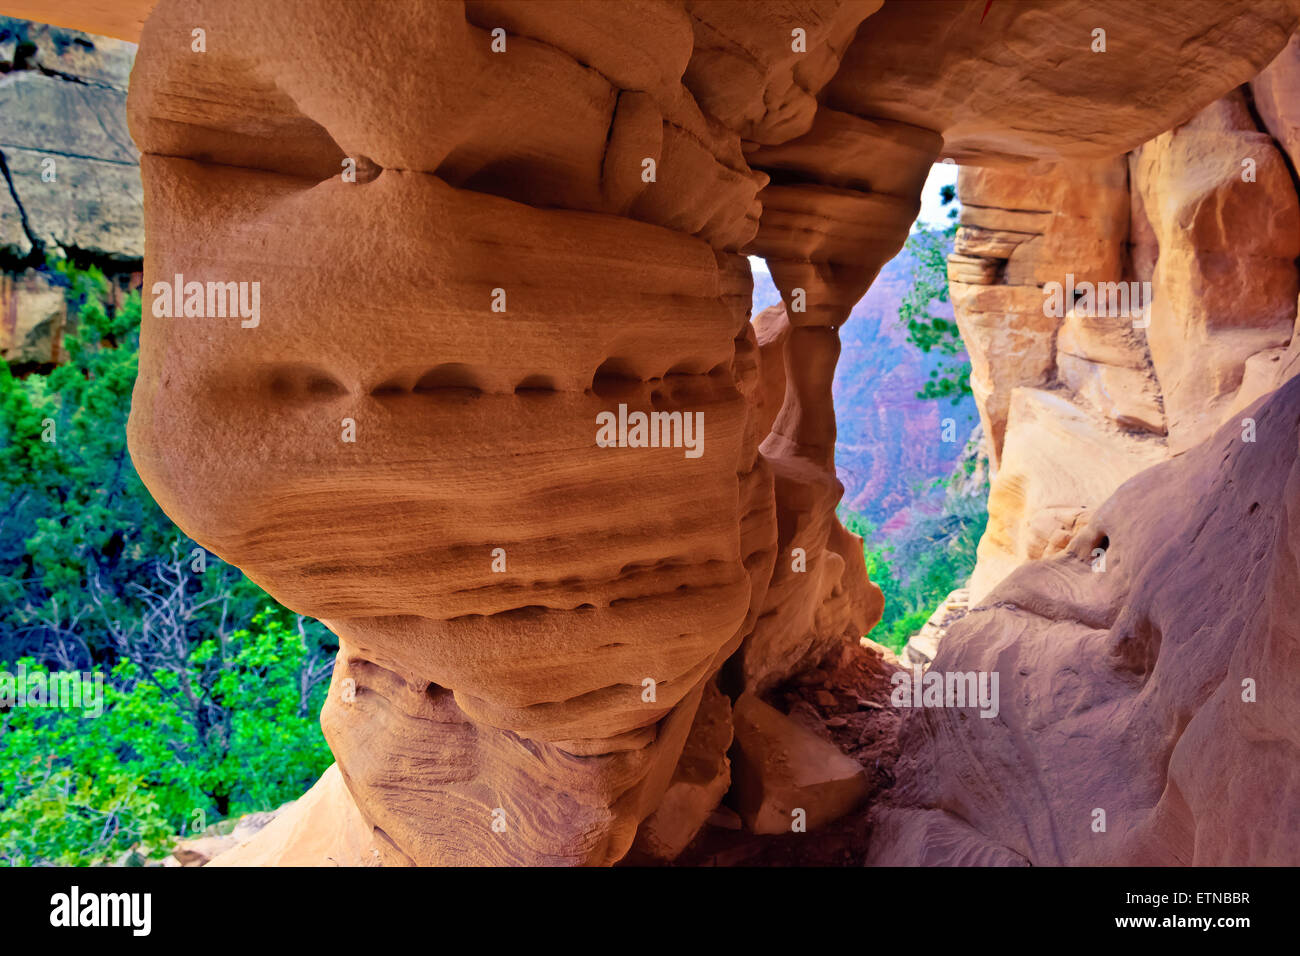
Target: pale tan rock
(1011,343)
(1104,340)
(855,191)
(321,828)
(33,313)
(1225,283)
(1127,396)
(1025,82)
(781,768)
(1064,223)
(931,837)
(973,269)
(1159,691)
(1103,361)
(1264,372)
(203,849)
(700,780)
(1058,456)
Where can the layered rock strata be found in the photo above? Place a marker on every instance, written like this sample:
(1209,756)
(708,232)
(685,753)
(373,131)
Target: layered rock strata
(1181,258)
(601,202)
(69,178)
(476,228)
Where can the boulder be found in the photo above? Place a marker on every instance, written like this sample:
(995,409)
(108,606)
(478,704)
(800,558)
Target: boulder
(781,768)
(217,840)
(700,780)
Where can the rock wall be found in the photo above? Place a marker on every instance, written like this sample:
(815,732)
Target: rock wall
(71,177)
(1147,712)
(1199,230)
(1146,486)
(617,567)
(547,645)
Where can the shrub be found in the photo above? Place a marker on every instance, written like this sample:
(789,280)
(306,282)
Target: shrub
(212,688)
(921,565)
(79,789)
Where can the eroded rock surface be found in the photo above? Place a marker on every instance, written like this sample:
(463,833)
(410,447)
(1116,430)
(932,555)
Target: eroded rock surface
(402,441)
(626,577)
(71,177)
(1155,693)
(1184,261)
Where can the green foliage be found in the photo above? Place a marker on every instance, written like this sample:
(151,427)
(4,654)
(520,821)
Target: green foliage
(71,493)
(213,688)
(920,566)
(80,789)
(929,332)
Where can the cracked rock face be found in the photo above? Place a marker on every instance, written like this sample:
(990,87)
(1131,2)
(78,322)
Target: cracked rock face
(475,229)
(71,173)
(69,176)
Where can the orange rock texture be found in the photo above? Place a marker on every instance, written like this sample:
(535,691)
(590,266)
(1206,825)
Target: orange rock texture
(405,444)
(481,232)
(1198,231)
(1116,592)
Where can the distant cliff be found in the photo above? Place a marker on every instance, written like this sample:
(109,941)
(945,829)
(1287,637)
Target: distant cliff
(890,443)
(71,177)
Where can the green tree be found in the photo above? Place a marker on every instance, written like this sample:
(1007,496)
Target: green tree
(929,332)
(81,789)
(213,688)
(920,565)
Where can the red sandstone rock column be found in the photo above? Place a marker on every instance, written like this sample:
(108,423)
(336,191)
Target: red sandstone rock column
(477,229)
(472,234)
